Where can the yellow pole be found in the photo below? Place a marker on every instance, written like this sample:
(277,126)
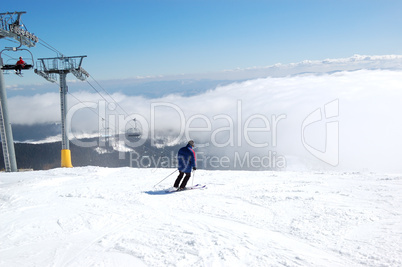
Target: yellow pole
(65,146)
(66,158)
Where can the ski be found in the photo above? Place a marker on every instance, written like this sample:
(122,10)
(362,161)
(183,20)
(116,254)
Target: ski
(197,186)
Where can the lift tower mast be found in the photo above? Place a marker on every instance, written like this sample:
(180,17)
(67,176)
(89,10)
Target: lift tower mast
(48,68)
(11,27)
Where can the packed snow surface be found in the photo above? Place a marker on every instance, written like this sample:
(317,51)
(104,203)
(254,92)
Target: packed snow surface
(93,216)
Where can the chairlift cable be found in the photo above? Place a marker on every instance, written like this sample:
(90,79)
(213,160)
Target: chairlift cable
(9,56)
(85,105)
(96,90)
(48,46)
(97,114)
(114,101)
(110,96)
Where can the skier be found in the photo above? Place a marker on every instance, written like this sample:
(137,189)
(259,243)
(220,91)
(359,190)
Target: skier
(19,66)
(186,161)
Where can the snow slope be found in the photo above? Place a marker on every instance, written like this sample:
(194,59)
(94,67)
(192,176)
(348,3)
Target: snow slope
(95,216)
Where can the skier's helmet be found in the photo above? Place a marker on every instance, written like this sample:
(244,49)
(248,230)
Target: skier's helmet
(191,142)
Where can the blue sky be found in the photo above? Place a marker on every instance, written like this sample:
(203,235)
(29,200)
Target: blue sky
(124,39)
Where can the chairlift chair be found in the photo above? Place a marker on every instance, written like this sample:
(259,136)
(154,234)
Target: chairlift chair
(134,132)
(13,66)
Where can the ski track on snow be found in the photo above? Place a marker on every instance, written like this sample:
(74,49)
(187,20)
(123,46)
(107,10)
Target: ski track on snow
(93,216)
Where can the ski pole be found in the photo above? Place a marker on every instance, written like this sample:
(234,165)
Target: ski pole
(192,181)
(165,178)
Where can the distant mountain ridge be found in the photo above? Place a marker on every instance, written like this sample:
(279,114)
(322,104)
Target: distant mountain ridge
(36,132)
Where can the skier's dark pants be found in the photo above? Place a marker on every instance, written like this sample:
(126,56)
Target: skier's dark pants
(18,68)
(185,180)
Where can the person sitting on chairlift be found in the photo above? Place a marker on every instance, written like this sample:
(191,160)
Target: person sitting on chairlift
(20,65)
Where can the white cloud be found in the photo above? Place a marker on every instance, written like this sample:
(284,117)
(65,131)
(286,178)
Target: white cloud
(40,108)
(14,87)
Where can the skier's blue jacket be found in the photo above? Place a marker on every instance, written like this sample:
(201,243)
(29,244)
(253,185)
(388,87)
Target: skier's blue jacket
(186,159)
